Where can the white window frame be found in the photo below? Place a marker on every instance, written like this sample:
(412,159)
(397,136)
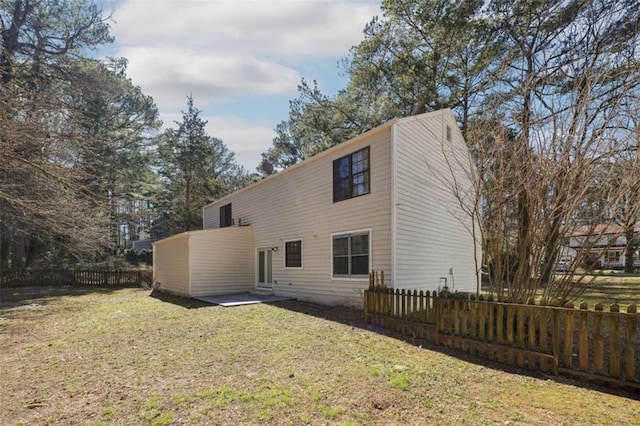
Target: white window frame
(352,232)
(284,251)
(613,256)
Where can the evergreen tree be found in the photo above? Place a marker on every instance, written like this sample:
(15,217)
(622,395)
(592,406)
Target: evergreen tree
(196,169)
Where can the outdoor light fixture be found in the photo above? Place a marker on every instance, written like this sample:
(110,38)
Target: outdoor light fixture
(274,248)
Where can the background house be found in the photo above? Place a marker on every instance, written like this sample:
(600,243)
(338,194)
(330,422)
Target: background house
(388,200)
(601,246)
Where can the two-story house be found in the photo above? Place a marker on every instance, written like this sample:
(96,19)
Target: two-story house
(394,199)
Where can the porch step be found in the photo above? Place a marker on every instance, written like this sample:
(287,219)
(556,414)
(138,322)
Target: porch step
(261,292)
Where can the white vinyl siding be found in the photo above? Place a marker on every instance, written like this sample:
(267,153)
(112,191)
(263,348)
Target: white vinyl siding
(203,263)
(417,231)
(298,204)
(171,264)
(433,234)
(221,261)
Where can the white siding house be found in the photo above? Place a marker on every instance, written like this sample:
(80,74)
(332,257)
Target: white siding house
(600,246)
(387,200)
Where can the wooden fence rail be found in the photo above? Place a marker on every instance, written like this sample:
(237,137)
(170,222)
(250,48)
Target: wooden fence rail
(75,277)
(599,345)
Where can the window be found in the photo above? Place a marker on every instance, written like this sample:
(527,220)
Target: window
(225,216)
(613,256)
(350,254)
(293,254)
(351,175)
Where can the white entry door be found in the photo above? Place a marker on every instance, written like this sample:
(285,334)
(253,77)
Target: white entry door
(265,269)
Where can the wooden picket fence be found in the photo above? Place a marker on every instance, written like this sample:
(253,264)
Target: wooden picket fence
(598,345)
(73,277)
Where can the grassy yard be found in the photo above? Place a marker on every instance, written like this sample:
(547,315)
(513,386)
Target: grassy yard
(613,288)
(123,357)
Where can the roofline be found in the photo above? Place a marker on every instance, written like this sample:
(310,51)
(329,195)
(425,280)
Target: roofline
(171,237)
(328,152)
(198,231)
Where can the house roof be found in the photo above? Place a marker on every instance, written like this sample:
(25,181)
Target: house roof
(341,146)
(601,229)
(143,244)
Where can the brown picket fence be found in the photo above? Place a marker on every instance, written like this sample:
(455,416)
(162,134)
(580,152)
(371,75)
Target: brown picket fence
(73,277)
(594,344)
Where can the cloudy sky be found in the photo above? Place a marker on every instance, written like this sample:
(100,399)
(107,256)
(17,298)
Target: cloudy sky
(241,59)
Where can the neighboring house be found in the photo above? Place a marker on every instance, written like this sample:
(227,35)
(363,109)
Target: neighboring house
(385,201)
(600,246)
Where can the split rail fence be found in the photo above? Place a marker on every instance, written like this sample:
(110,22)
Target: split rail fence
(73,277)
(598,345)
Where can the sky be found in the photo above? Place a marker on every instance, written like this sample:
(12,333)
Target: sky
(242,61)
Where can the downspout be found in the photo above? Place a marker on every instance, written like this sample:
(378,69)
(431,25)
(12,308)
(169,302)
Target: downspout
(394,215)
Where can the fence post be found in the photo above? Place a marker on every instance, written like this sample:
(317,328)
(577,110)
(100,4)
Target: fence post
(629,355)
(491,322)
(568,336)
(500,321)
(456,316)
(481,317)
(555,339)
(520,335)
(473,310)
(583,351)
(598,352)
(543,325)
(510,316)
(530,314)
(438,317)
(366,305)
(614,333)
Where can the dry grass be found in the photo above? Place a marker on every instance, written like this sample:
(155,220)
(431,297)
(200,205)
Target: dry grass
(612,288)
(122,357)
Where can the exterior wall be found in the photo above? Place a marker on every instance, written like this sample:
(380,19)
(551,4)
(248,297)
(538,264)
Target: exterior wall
(171,264)
(611,258)
(432,233)
(298,204)
(221,261)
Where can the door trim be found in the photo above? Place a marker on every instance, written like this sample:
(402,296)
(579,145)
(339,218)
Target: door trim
(267,254)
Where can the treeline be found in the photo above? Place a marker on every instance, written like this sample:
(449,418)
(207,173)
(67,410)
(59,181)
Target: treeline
(84,168)
(546,93)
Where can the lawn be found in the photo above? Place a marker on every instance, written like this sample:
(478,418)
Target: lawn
(611,288)
(125,357)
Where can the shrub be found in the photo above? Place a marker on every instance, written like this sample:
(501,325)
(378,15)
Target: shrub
(136,257)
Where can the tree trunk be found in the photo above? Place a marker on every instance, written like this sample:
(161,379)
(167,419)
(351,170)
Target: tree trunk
(629,249)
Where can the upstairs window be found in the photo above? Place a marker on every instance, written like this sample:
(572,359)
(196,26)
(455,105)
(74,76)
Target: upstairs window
(351,175)
(225,216)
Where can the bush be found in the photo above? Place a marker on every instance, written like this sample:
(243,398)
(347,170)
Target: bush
(135,257)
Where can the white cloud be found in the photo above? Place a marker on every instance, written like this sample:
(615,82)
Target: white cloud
(247,139)
(279,28)
(225,52)
(170,74)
